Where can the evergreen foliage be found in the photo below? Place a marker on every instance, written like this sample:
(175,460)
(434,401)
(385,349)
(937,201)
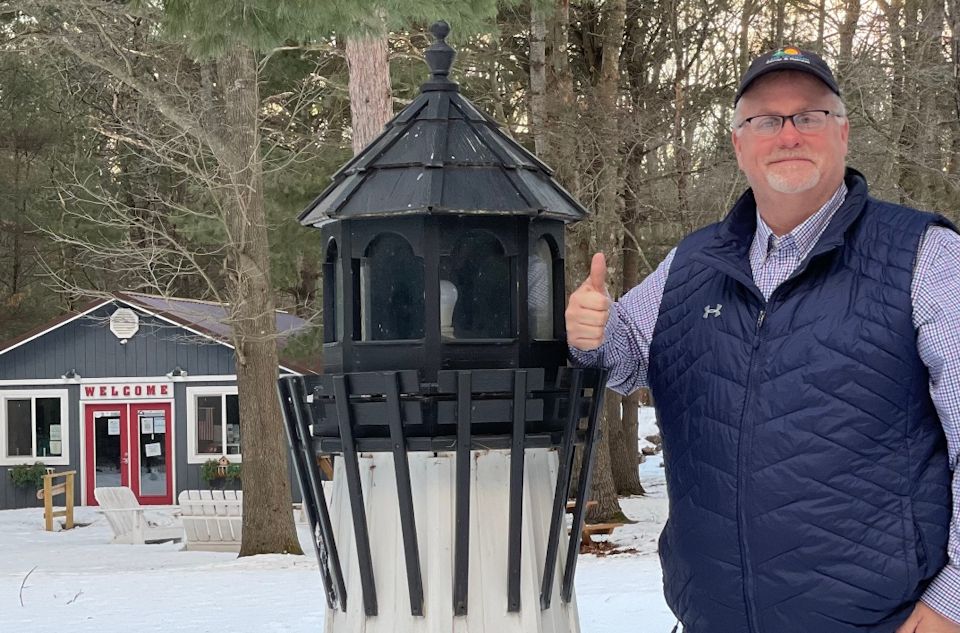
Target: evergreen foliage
(28,475)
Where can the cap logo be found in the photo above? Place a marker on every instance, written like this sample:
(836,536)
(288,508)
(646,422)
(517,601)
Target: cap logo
(788,54)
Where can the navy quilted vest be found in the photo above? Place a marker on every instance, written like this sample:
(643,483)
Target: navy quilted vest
(806,466)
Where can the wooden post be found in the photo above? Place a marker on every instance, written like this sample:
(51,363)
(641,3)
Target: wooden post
(48,501)
(68,516)
(49,491)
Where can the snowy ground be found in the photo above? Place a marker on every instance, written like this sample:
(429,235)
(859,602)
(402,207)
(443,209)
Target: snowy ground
(82,584)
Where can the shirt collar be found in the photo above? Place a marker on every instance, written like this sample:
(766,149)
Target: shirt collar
(806,234)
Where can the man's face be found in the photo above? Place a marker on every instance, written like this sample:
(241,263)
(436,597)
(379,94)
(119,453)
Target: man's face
(791,162)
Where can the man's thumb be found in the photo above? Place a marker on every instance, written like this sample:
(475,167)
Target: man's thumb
(598,272)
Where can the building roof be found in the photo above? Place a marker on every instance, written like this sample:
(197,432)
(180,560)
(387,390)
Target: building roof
(205,318)
(442,155)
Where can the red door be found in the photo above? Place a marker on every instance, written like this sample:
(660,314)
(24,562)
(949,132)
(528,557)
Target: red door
(151,461)
(129,444)
(107,447)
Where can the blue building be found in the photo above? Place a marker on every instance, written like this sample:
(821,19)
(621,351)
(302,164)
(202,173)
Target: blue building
(133,390)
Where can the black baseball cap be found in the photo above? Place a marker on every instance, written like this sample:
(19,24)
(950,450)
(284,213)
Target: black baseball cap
(787,58)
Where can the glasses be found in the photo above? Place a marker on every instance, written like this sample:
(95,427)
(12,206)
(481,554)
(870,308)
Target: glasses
(806,122)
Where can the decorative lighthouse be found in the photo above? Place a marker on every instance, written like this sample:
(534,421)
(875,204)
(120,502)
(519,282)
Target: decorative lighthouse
(445,397)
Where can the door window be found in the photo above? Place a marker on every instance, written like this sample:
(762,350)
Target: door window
(108,461)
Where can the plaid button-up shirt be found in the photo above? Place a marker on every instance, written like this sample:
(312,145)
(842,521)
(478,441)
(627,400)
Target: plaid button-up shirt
(935,293)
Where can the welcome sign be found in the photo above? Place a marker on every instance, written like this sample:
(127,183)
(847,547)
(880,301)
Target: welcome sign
(126,391)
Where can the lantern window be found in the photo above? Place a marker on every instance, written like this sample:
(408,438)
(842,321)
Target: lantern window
(391,291)
(540,286)
(332,295)
(476,280)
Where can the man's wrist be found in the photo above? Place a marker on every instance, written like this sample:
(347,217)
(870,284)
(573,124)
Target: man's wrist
(943,594)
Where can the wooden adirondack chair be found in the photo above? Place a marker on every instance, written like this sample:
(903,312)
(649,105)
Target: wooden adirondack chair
(212,519)
(125,515)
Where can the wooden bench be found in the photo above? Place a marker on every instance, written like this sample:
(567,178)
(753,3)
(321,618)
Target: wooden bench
(125,516)
(212,519)
(589,529)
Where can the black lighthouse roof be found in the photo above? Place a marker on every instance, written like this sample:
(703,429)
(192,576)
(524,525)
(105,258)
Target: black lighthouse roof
(441,155)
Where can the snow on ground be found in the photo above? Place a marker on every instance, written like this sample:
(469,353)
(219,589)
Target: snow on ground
(82,584)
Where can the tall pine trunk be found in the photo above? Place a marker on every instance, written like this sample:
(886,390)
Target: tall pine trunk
(267,511)
(371,101)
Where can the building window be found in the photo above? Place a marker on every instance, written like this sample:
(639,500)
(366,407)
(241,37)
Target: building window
(213,420)
(33,427)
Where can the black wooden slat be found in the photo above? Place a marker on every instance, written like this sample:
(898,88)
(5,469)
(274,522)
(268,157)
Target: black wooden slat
(365,383)
(515,520)
(305,421)
(368,413)
(333,445)
(583,486)
(352,470)
(292,392)
(490,411)
(408,524)
(461,546)
(296,449)
(561,491)
(490,380)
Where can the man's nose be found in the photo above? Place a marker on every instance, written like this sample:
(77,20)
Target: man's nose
(788,136)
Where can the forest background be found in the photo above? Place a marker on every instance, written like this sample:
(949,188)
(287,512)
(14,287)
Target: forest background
(137,138)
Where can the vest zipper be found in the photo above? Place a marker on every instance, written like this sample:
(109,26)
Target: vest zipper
(743,451)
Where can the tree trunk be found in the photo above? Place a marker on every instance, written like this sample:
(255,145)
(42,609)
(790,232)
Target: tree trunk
(680,151)
(371,100)
(821,22)
(744,44)
(953,20)
(780,17)
(895,37)
(848,28)
(538,77)
(602,489)
(561,103)
(624,453)
(267,516)
(607,234)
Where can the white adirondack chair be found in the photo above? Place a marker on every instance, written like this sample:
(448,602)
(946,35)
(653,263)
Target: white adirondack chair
(125,515)
(212,519)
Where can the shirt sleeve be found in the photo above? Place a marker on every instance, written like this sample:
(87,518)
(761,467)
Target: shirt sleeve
(936,302)
(626,340)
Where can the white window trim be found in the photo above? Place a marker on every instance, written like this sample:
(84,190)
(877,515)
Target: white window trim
(193,457)
(64,396)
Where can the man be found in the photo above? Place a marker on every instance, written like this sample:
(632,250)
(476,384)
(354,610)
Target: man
(804,358)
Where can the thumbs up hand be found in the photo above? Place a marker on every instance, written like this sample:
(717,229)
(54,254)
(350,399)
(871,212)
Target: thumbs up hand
(589,308)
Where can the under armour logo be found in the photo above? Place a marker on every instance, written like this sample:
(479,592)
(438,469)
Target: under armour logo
(707,311)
